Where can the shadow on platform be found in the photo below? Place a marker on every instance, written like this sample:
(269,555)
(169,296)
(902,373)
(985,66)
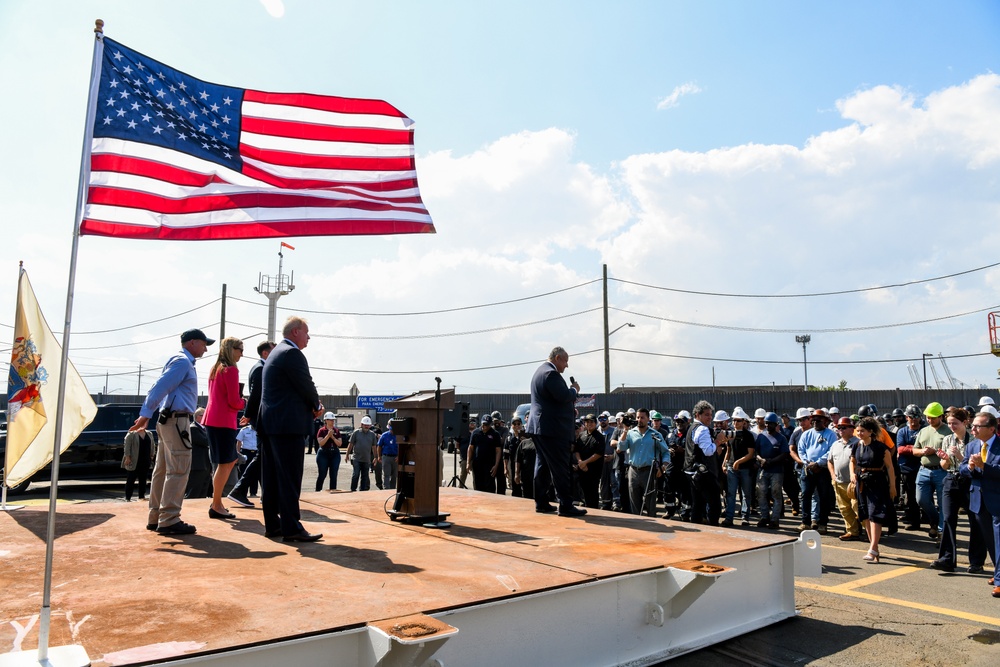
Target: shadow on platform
(66,524)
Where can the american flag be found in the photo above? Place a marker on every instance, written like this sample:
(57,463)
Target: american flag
(174,157)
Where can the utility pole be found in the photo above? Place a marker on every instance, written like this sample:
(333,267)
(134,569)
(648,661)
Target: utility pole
(275,287)
(138,385)
(607,337)
(924,358)
(805,363)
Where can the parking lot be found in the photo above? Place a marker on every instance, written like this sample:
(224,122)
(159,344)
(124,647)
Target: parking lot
(897,612)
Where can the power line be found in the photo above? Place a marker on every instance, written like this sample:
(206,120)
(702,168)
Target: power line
(140,342)
(814,294)
(426,312)
(800,329)
(455,333)
(131,326)
(444,370)
(796,362)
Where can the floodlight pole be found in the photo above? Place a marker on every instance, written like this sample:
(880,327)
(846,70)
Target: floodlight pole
(274,287)
(805,363)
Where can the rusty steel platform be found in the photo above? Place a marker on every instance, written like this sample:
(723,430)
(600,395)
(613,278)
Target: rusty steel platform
(131,596)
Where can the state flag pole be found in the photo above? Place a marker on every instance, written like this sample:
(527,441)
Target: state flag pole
(72,655)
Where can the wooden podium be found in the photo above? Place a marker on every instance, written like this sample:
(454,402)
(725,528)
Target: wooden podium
(417,427)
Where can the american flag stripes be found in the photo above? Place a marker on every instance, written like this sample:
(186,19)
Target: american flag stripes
(174,157)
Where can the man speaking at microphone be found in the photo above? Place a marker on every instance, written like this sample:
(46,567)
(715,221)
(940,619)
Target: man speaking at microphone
(551,424)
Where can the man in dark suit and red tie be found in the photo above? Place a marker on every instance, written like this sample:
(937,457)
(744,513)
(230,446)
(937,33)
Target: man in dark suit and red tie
(552,426)
(289,402)
(982,465)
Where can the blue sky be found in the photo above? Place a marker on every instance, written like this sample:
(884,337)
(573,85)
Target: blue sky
(766,148)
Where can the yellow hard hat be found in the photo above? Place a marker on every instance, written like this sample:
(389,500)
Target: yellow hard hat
(933,410)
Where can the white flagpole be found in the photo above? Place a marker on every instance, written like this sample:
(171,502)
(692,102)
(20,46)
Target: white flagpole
(46,612)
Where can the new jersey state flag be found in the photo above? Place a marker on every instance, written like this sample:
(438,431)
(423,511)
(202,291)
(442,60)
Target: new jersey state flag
(174,157)
(32,393)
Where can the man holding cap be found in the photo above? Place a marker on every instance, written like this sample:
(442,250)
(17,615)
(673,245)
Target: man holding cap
(175,394)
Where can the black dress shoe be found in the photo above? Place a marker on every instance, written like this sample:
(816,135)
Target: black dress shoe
(220,515)
(545,509)
(943,565)
(150,526)
(975,569)
(570,510)
(302,537)
(273,534)
(179,528)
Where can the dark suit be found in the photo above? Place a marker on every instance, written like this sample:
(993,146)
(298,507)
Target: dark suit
(251,474)
(984,495)
(551,423)
(288,400)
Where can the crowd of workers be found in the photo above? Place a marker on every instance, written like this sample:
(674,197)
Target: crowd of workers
(923,465)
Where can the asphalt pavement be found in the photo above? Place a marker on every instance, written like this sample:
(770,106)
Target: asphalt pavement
(897,612)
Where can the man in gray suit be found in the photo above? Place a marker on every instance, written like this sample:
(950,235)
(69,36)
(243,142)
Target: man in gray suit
(552,426)
(288,403)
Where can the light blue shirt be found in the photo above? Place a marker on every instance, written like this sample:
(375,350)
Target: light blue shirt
(642,447)
(176,389)
(814,446)
(248,437)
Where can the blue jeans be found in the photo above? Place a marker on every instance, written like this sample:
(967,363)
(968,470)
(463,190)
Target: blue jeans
(929,483)
(360,474)
(327,460)
(769,486)
(738,479)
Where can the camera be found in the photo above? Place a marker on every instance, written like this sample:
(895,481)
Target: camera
(729,432)
(629,420)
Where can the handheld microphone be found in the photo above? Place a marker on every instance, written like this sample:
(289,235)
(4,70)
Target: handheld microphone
(572,380)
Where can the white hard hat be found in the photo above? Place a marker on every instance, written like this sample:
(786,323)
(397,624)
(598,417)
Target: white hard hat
(631,411)
(684,414)
(834,410)
(990,410)
(738,413)
(366,421)
(986,400)
(620,415)
(760,412)
(722,416)
(802,413)
(329,415)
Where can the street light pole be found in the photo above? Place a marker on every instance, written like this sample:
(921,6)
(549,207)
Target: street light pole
(805,363)
(607,354)
(924,359)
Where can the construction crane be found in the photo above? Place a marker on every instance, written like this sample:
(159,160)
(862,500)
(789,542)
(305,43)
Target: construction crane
(937,380)
(955,383)
(914,377)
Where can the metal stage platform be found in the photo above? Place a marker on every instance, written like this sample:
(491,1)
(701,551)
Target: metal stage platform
(502,586)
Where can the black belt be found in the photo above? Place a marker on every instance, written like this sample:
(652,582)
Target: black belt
(175,413)
(937,467)
(639,467)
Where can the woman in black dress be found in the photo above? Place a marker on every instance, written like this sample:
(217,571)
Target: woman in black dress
(874,479)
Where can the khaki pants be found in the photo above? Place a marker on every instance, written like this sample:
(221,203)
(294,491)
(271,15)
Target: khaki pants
(848,508)
(170,475)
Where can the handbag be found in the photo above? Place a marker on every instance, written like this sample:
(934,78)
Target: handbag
(852,491)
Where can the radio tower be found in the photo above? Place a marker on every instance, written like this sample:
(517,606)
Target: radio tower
(275,287)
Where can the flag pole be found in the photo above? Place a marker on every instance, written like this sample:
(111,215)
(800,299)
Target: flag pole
(75,654)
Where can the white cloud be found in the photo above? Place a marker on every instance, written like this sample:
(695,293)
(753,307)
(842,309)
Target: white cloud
(905,189)
(673,99)
(276,8)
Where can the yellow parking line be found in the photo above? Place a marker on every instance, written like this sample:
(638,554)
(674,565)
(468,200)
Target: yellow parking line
(910,604)
(875,578)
